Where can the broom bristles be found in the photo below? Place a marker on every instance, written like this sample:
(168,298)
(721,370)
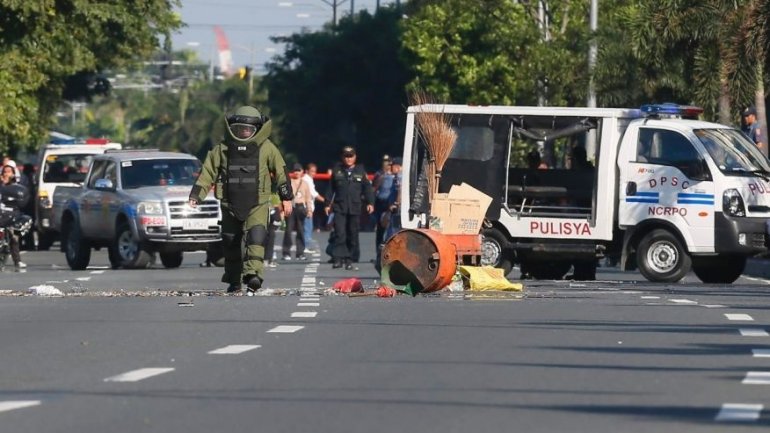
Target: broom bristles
(438,136)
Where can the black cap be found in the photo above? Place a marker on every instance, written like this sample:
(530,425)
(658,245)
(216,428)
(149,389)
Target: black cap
(750,110)
(348,151)
(396,161)
(296,167)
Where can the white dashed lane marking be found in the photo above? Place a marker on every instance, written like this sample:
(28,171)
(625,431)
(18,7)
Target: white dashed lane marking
(308,304)
(285,329)
(760,353)
(683,301)
(97,272)
(650,297)
(11,405)
(738,317)
(234,349)
(757,378)
(304,314)
(753,332)
(137,375)
(732,412)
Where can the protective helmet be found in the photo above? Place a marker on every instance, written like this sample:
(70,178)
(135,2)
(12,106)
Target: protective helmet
(245,123)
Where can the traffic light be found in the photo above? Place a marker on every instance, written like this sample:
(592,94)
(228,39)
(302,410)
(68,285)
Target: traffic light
(244,72)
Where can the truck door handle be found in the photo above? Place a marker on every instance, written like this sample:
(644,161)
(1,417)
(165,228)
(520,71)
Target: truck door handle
(631,188)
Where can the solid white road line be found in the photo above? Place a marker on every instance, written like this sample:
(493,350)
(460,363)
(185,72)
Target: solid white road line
(650,297)
(83,278)
(760,353)
(714,306)
(137,375)
(308,304)
(285,329)
(739,412)
(757,378)
(753,332)
(235,349)
(683,301)
(97,272)
(11,405)
(304,314)
(744,317)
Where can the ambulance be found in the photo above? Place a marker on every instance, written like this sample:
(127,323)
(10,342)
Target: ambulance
(653,188)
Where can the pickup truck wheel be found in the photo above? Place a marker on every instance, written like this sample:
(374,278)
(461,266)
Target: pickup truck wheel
(132,254)
(45,240)
(494,251)
(113,256)
(76,249)
(662,258)
(718,270)
(172,259)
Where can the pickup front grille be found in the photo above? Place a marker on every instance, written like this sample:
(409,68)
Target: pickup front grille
(208,209)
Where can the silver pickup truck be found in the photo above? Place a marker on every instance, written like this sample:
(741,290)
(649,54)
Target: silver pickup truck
(134,203)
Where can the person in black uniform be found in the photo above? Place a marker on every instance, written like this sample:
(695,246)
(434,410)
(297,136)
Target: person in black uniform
(349,185)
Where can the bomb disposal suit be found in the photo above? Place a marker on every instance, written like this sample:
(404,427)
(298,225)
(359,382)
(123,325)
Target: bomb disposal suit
(244,169)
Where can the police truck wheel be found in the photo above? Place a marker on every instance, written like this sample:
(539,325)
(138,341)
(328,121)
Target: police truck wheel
(131,252)
(171,259)
(494,250)
(718,270)
(661,257)
(550,270)
(76,249)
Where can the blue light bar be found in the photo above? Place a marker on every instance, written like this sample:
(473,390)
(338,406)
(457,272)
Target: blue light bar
(671,109)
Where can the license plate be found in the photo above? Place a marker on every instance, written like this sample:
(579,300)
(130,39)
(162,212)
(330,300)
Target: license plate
(195,224)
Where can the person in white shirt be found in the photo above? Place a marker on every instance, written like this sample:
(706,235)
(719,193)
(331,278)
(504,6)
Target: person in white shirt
(310,171)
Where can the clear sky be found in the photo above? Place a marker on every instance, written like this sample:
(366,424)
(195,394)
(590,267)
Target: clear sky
(249,24)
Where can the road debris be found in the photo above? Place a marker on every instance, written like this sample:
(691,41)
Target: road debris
(45,290)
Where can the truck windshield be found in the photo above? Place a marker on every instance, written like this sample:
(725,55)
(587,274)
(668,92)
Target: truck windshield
(66,168)
(732,151)
(159,172)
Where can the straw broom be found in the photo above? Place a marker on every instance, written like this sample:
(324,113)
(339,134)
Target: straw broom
(438,136)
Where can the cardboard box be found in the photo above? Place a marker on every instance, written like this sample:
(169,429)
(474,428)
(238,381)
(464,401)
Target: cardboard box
(461,212)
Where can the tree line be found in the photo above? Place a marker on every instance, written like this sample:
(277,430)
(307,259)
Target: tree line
(348,84)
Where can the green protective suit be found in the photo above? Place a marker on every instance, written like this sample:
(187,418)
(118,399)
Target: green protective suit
(238,226)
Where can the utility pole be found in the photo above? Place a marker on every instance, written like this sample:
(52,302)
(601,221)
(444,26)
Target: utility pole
(251,73)
(593,51)
(352,7)
(334,4)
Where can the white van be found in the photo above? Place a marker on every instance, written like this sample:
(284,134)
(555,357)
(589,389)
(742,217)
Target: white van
(661,192)
(61,164)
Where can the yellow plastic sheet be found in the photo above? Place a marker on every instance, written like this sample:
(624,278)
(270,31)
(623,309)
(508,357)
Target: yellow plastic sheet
(482,278)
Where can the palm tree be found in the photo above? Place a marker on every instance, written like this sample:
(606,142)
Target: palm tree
(697,39)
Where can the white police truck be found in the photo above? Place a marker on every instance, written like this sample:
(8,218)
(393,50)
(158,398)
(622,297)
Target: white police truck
(653,188)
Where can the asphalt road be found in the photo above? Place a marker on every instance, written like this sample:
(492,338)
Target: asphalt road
(617,355)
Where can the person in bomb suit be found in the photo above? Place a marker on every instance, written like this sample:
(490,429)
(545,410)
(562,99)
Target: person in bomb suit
(244,169)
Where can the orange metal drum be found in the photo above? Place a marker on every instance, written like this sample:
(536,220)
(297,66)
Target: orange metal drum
(422,259)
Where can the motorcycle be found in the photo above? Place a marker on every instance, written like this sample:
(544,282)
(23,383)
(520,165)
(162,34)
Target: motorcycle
(12,221)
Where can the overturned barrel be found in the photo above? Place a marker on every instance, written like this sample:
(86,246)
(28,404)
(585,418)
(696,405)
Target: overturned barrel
(418,260)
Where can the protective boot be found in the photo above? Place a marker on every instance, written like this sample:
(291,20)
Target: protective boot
(253,282)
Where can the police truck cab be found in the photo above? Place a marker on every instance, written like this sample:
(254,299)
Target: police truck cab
(660,191)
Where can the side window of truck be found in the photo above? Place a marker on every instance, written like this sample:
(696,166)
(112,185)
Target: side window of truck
(659,146)
(97,172)
(111,173)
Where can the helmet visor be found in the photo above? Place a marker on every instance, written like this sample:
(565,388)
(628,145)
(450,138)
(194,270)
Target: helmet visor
(243,131)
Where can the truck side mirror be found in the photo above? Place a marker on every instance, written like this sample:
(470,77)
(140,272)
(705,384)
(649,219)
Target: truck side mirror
(104,185)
